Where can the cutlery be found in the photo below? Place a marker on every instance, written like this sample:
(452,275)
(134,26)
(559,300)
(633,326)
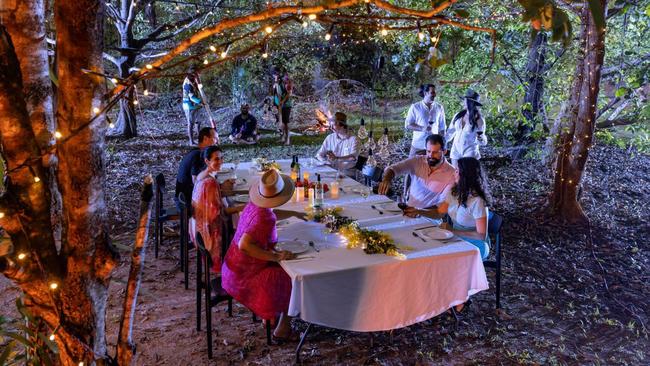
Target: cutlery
(300,259)
(418,236)
(425,227)
(311,244)
(375,208)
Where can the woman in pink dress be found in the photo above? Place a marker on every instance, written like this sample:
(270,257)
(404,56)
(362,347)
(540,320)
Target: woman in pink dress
(207,207)
(251,273)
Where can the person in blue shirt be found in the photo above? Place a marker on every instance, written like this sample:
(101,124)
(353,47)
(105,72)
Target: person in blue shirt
(192,101)
(244,127)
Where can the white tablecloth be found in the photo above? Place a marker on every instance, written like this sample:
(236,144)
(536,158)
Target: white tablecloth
(348,289)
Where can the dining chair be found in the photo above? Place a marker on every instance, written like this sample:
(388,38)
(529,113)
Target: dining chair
(184,237)
(162,213)
(495,225)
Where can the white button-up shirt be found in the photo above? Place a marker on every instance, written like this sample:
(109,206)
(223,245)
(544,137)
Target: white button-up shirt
(340,147)
(465,141)
(421,115)
(428,188)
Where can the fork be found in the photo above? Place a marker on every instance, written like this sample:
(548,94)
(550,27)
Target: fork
(418,236)
(311,244)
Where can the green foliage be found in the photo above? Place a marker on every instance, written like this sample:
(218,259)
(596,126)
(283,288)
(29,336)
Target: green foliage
(23,344)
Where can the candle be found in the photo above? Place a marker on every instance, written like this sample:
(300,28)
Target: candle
(334,189)
(294,176)
(300,194)
(305,176)
(312,197)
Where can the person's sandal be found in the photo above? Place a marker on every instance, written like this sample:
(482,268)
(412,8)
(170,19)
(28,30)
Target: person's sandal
(293,337)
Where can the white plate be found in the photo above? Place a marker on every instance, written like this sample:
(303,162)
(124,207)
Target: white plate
(225,171)
(243,198)
(436,233)
(294,246)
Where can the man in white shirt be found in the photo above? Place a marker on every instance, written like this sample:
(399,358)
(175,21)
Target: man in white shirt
(425,118)
(432,175)
(340,149)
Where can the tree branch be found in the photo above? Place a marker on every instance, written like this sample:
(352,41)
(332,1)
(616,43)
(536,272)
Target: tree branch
(514,70)
(624,121)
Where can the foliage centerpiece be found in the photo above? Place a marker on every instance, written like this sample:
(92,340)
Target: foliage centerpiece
(372,241)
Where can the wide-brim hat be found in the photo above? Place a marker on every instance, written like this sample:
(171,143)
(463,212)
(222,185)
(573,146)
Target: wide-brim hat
(473,96)
(272,189)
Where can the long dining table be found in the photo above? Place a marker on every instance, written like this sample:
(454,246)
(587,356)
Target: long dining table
(342,288)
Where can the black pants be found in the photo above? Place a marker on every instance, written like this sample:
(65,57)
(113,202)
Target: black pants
(286,115)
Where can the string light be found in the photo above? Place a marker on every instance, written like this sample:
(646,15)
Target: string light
(205,61)
(213,48)
(36,179)
(384,32)
(52,337)
(224,53)
(81,364)
(312,16)
(96,110)
(304,24)
(268,29)
(54,286)
(2,215)
(146,92)
(111,125)
(135,102)
(265,55)
(149,66)
(22,256)
(114,80)
(58,134)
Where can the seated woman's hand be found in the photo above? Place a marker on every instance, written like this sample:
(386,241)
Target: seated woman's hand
(411,212)
(227,186)
(284,255)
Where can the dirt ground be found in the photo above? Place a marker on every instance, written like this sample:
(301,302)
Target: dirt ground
(570,295)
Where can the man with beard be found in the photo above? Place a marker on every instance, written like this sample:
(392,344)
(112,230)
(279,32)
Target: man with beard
(431,175)
(244,127)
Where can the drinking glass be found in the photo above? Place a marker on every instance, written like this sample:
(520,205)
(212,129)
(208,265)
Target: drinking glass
(401,202)
(365,191)
(235,164)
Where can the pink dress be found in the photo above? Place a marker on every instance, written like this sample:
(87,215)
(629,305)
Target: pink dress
(261,286)
(206,213)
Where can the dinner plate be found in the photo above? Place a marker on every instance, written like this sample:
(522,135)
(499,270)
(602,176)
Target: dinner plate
(225,171)
(436,233)
(294,246)
(243,198)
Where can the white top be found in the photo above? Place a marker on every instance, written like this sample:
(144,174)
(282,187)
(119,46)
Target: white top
(421,115)
(340,147)
(427,188)
(466,142)
(466,216)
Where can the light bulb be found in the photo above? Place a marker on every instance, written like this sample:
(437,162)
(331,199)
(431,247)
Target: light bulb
(36,179)
(268,29)
(362,133)
(52,337)
(312,16)
(135,102)
(58,134)
(384,32)
(96,110)
(205,61)
(224,54)
(22,256)
(54,286)
(305,24)
(146,92)
(328,37)
(265,55)
(149,66)
(2,215)
(421,36)
(114,80)
(111,125)
(213,48)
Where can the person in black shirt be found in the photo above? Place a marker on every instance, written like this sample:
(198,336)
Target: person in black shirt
(244,127)
(192,165)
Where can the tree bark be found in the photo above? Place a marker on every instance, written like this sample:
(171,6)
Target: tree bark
(534,88)
(577,133)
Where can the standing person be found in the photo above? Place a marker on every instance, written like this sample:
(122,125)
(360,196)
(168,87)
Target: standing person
(192,101)
(251,272)
(192,164)
(467,129)
(432,175)
(244,127)
(425,118)
(281,92)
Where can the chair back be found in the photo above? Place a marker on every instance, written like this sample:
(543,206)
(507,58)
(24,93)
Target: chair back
(185,218)
(203,251)
(160,189)
(361,161)
(495,222)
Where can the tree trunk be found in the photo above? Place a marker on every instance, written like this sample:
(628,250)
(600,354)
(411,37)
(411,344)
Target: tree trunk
(126,118)
(534,88)
(577,133)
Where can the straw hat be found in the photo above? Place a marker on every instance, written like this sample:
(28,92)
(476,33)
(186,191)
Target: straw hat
(271,190)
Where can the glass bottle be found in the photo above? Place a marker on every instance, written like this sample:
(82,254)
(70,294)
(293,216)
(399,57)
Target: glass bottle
(318,192)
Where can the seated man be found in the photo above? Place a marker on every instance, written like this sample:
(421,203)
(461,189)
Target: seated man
(244,127)
(192,165)
(340,149)
(431,175)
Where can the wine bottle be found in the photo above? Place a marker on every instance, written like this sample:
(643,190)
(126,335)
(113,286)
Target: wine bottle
(318,192)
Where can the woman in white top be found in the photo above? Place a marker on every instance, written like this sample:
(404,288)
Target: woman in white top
(466,203)
(467,130)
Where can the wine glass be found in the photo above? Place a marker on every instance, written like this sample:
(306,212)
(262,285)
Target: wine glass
(365,191)
(401,202)
(236,161)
